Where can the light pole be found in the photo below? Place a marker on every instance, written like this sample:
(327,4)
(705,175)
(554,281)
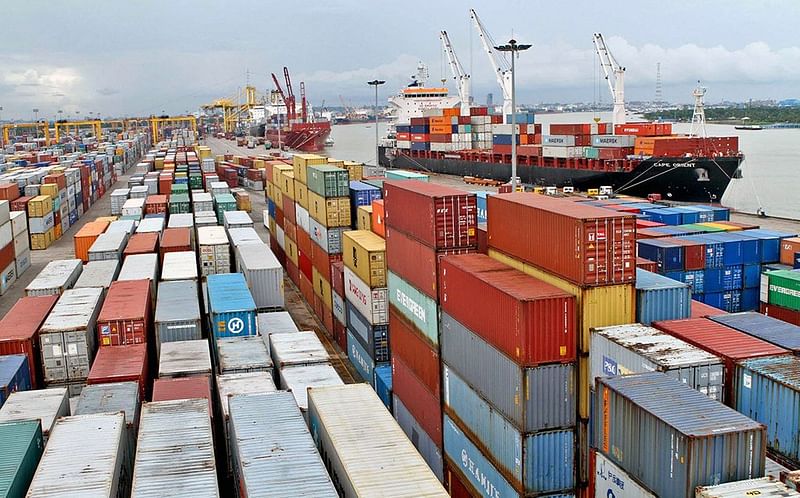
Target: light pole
(513,47)
(36,120)
(376,83)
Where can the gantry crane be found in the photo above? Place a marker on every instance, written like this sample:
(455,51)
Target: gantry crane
(615,76)
(39,125)
(156,124)
(232,110)
(501,66)
(94,124)
(461,76)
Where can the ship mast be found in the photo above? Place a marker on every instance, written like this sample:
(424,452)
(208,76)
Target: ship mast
(501,66)
(699,115)
(461,76)
(615,76)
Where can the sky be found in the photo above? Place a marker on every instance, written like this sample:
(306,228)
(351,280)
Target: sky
(136,58)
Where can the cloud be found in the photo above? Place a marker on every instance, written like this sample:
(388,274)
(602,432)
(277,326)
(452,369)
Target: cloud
(107,91)
(52,77)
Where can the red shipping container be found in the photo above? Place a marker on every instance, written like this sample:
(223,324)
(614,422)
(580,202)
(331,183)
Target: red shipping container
(340,334)
(646,264)
(19,331)
(290,230)
(6,256)
(20,204)
(646,233)
(337,277)
(279,216)
(441,217)
(277,251)
(415,351)
(647,224)
(694,253)
(456,483)
(703,310)
(194,387)
(317,306)
(165,183)
(303,241)
(378,221)
(421,404)
(497,119)
(155,204)
(306,288)
(292,271)
(9,191)
(730,345)
(785,314)
(420,137)
(501,149)
(483,239)
(289,209)
(327,319)
(586,245)
(305,264)
(59,179)
(789,247)
(175,240)
(121,364)
(531,321)
(125,316)
(415,262)
(322,261)
(142,243)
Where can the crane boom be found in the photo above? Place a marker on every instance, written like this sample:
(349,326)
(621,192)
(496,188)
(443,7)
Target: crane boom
(284,97)
(615,76)
(501,66)
(461,76)
(291,110)
(303,105)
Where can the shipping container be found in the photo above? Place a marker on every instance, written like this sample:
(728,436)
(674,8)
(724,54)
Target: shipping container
(76,465)
(430,451)
(232,311)
(766,328)
(184,359)
(22,448)
(56,277)
(263,274)
(373,304)
(415,306)
(365,254)
(45,405)
(214,250)
(415,351)
(299,348)
(128,363)
(692,440)
(242,355)
(86,236)
(109,245)
(240,236)
(586,245)
(362,362)
(374,338)
(530,321)
(98,274)
(175,240)
(177,315)
(441,217)
(141,243)
(181,265)
(236,384)
(765,487)
(329,239)
(275,322)
(299,378)
(259,424)
(329,212)
(515,391)
(175,435)
(197,386)
(126,314)
(660,298)
(68,337)
(19,330)
(784,289)
(611,481)
(15,375)
(336,415)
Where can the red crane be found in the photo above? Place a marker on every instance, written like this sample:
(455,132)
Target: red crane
(303,105)
(288,97)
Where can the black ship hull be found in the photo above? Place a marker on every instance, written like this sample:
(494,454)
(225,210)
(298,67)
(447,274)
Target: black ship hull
(677,179)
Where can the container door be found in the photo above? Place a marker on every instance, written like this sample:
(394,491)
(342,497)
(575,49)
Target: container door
(55,364)
(77,355)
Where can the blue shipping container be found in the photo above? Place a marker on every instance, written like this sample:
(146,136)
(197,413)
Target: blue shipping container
(750,299)
(668,255)
(660,298)
(768,391)
(359,358)
(704,213)
(715,250)
(373,338)
(232,310)
(420,145)
(15,375)
(750,248)
(765,328)
(696,280)
(362,194)
(383,383)
(720,213)
(481,199)
(732,248)
(751,278)
(501,139)
(769,241)
(667,216)
(688,216)
(271,208)
(732,277)
(539,462)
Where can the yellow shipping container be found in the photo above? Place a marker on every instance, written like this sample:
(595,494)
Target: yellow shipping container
(720,226)
(56,232)
(107,218)
(291,250)
(277,196)
(159,163)
(243,202)
(364,218)
(258,164)
(300,163)
(301,193)
(330,211)
(364,253)
(335,162)
(272,226)
(40,206)
(268,191)
(356,170)
(39,241)
(49,189)
(287,184)
(277,169)
(322,288)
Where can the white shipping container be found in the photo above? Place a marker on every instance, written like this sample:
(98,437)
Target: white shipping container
(612,481)
(242,355)
(6,234)
(23,262)
(181,220)
(5,212)
(124,226)
(214,250)
(615,141)
(280,236)
(108,246)
(217,188)
(339,308)
(553,151)
(354,457)
(98,274)
(239,236)
(302,217)
(243,383)
(138,192)
(371,303)
(151,225)
(298,348)
(21,243)
(180,265)
(263,273)
(118,198)
(237,219)
(202,202)
(56,277)
(41,225)
(275,322)
(141,267)
(763,487)
(46,405)
(558,140)
(84,457)
(133,207)
(184,358)
(298,379)
(19,222)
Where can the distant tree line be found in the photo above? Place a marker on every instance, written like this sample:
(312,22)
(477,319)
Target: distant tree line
(757,115)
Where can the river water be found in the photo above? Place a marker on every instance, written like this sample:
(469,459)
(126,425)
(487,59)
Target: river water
(770,171)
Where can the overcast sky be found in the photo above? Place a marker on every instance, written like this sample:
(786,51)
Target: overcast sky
(148,56)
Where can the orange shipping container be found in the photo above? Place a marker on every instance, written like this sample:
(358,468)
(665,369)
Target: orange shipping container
(86,236)
(377,218)
(789,247)
(441,129)
(440,120)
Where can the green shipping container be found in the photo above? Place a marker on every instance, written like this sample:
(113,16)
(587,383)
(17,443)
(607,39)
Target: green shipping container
(784,289)
(401,174)
(180,188)
(591,153)
(418,308)
(21,447)
(329,181)
(222,203)
(195,181)
(179,203)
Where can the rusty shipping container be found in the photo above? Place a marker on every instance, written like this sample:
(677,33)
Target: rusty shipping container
(141,243)
(441,217)
(19,331)
(198,387)
(121,364)
(586,245)
(126,315)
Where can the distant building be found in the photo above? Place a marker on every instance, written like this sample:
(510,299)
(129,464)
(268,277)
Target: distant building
(789,103)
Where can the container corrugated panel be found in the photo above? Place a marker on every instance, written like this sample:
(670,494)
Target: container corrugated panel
(175,435)
(125,315)
(374,338)
(380,463)
(260,423)
(329,239)
(263,273)
(242,355)
(46,405)
(299,348)
(232,310)
(530,321)
(298,379)
(15,375)
(383,383)
(764,487)
(371,303)
(419,438)
(108,246)
(243,383)
(515,391)
(181,265)
(56,277)
(586,245)
(140,267)
(121,364)
(415,306)
(276,322)
(177,316)
(240,236)
(417,353)
(125,226)
(692,440)
(98,274)
(74,464)
(365,254)
(359,357)
(660,298)
(634,348)
(767,390)
(19,330)
(22,449)
(764,327)
(610,481)
(214,250)
(541,462)
(184,358)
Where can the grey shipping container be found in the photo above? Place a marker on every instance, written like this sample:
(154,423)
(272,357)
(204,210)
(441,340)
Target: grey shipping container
(214,250)
(108,246)
(56,277)
(239,236)
(140,267)
(263,273)
(68,337)
(177,316)
(202,201)
(98,274)
(184,359)
(242,354)
(46,405)
(298,379)
(299,348)
(259,424)
(275,322)
(175,435)
(419,438)
(763,487)
(671,438)
(118,198)
(83,457)
(180,265)
(635,348)
(181,220)
(516,392)
(329,239)
(124,226)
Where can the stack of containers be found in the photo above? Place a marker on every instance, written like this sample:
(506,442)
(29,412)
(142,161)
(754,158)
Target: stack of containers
(286,252)
(780,295)
(361,196)
(19,230)
(41,222)
(19,332)
(8,265)
(214,249)
(589,253)
(423,222)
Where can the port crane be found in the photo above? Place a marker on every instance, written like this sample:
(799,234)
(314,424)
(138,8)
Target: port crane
(232,110)
(615,76)
(461,76)
(289,98)
(500,64)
